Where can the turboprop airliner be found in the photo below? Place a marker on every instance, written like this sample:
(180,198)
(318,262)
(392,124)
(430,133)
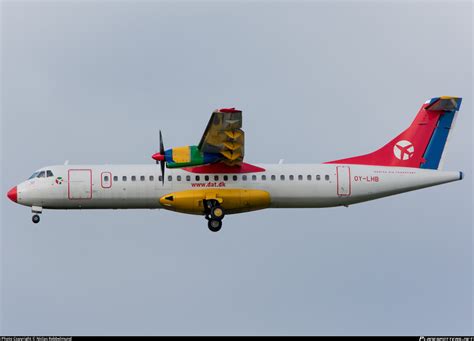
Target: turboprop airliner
(212,180)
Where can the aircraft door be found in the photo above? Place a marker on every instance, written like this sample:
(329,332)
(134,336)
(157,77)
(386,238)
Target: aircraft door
(343,174)
(106,180)
(80,184)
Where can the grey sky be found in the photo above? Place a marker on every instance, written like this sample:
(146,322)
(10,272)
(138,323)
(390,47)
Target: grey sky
(93,82)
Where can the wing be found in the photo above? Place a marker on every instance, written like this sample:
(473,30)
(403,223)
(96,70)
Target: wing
(224,136)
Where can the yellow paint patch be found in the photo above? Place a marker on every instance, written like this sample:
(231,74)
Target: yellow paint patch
(233,134)
(231,155)
(232,145)
(181,154)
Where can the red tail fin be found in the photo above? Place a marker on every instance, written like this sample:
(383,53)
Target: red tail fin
(422,144)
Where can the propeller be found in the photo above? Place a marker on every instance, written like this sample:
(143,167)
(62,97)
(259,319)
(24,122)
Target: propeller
(162,161)
(160,158)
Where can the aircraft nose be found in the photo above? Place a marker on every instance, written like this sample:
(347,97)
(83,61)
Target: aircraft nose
(12,194)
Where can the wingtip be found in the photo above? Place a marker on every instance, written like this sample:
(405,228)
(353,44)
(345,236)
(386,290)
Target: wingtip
(228,110)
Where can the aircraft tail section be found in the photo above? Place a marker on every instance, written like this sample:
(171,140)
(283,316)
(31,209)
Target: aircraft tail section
(422,144)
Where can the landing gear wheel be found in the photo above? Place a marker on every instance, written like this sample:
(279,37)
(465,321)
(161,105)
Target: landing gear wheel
(214,225)
(217,213)
(36,219)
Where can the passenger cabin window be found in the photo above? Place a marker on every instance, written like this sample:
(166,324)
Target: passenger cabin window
(178,178)
(264,177)
(216,177)
(41,174)
(273,178)
(318,177)
(282,177)
(134,178)
(309,177)
(115,178)
(254,177)
(49,173)
(170,178)
(198,177)
(326,177)
(292,177)
(188,177)
(300,177)
(160,178)
(142,178)
(234,177)
(124,178)
(152,178)
(106,178)
(226,178)
(206,177)
(244,177)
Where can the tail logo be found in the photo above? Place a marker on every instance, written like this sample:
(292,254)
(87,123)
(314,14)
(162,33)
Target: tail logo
(403,150)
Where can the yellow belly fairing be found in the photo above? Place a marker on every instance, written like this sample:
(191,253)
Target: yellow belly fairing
(231,200)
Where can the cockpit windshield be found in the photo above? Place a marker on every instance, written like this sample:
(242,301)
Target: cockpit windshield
(34,175)
(41,174)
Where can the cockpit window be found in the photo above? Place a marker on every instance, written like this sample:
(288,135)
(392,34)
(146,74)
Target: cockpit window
(41,174)
(49,173)
(34,175)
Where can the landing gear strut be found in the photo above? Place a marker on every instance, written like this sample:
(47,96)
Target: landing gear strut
(214,214)
(35,219)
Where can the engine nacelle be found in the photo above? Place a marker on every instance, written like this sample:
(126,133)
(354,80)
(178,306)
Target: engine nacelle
(231,200)
(188,156)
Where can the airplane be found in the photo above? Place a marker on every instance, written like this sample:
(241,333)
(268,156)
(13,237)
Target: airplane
(212,180)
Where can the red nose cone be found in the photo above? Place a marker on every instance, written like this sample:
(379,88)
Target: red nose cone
(12,195)
(158,157)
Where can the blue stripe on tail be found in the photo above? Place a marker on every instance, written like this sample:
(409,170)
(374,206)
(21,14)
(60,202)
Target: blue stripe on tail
(438,141)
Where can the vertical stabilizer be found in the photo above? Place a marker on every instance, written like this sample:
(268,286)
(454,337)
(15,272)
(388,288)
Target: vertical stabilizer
(422,145)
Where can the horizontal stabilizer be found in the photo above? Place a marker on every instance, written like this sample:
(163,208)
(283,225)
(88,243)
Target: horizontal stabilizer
(444,103)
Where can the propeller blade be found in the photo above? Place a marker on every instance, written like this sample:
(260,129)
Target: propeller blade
(162,162)
(162,165)
(162,147)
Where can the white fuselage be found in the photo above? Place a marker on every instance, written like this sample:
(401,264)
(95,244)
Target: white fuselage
(289,185)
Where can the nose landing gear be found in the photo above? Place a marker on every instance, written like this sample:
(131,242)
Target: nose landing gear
(36,210)
(35,218)
(214,214)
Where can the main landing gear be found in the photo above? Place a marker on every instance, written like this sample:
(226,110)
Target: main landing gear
(214,214)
